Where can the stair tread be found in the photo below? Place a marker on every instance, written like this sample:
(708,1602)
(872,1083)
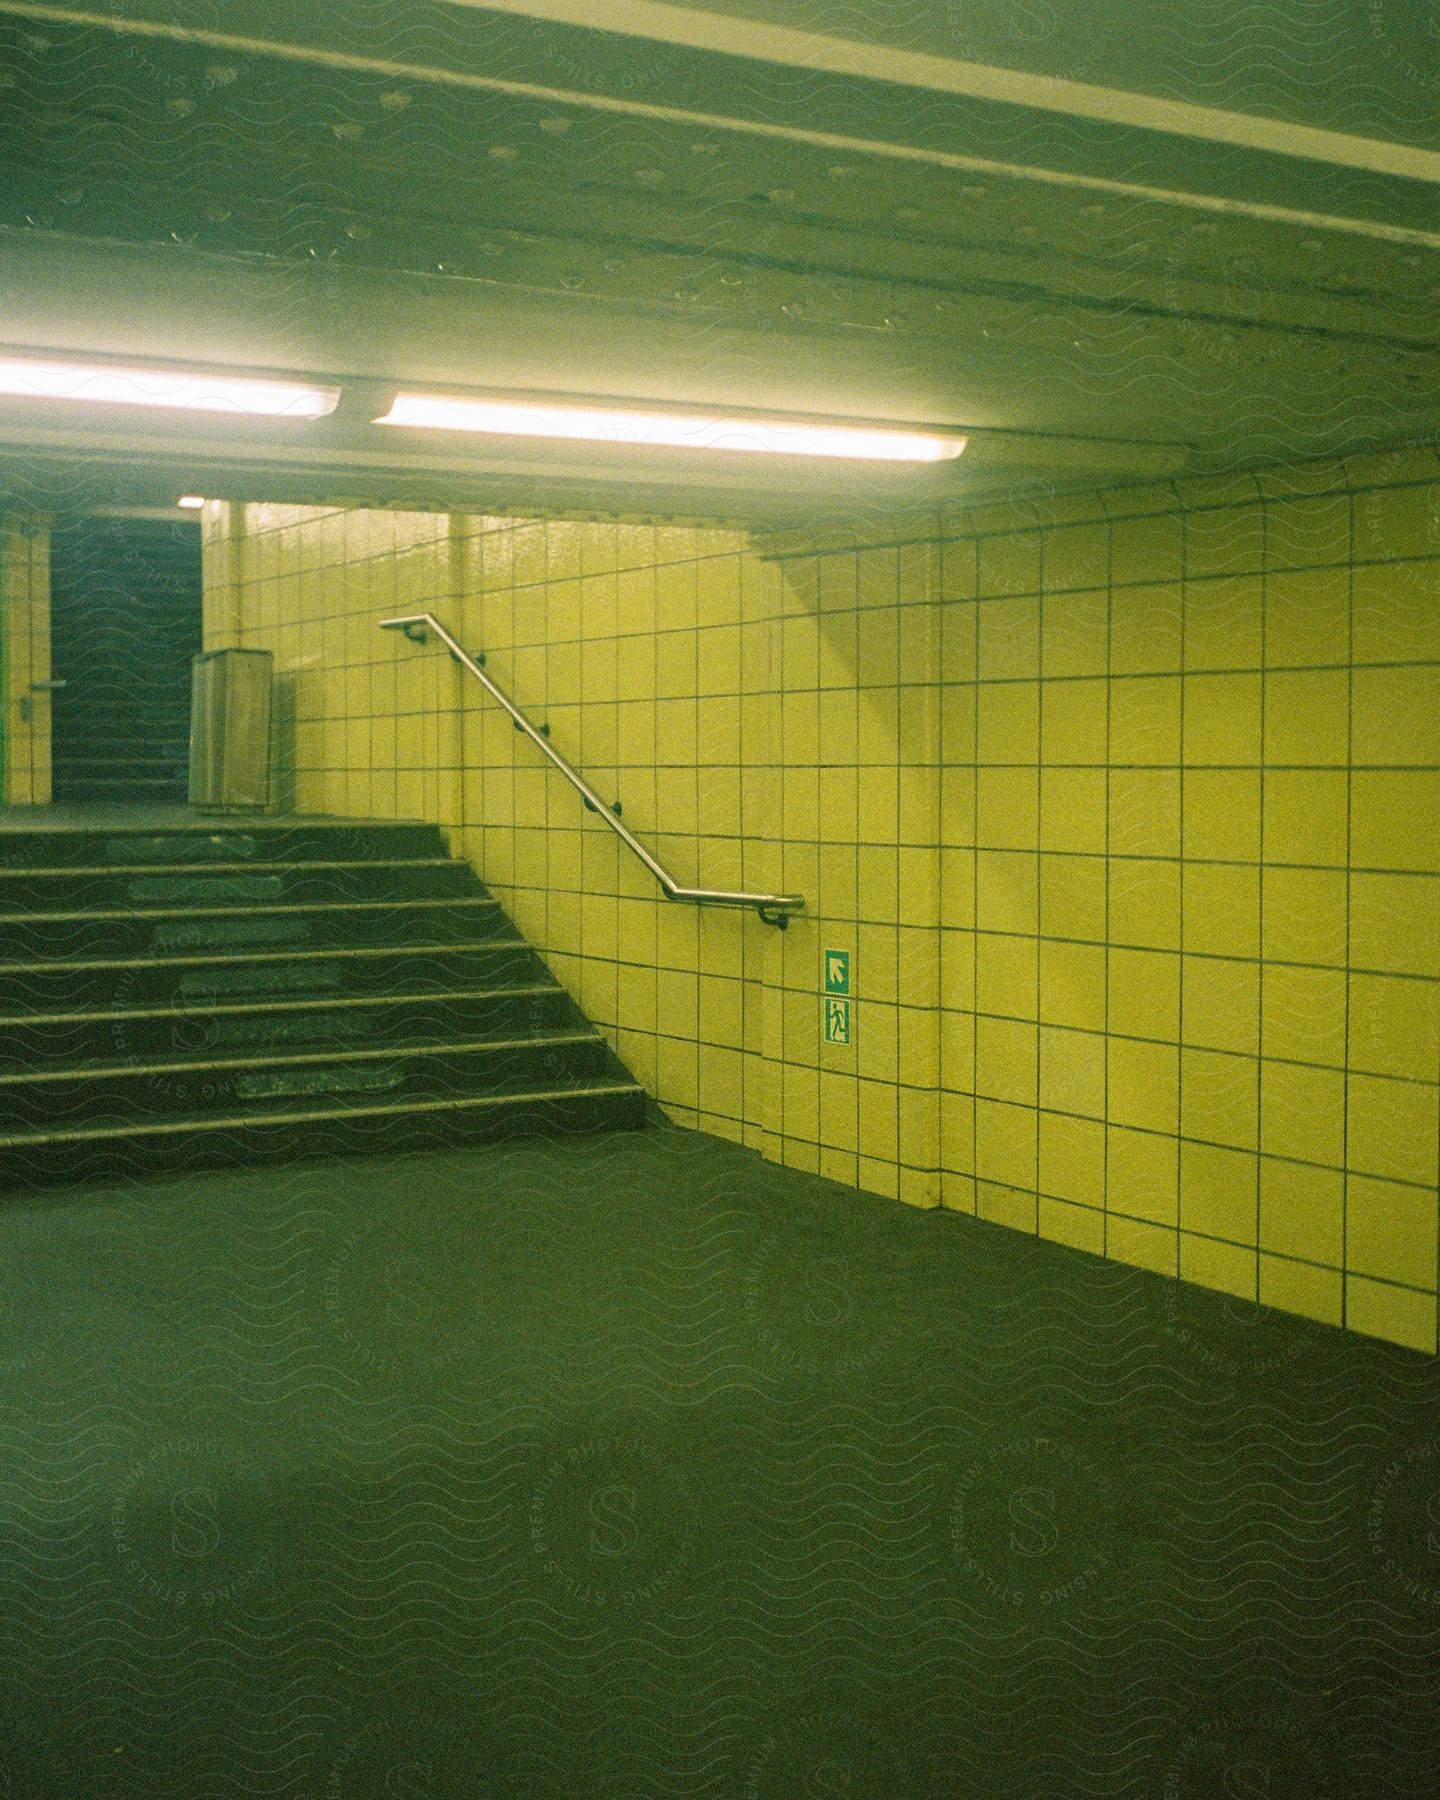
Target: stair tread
(89,1071)
(268,956)
(312,1003)
(256,867)
(245,909)
(240,1121)
(294,821)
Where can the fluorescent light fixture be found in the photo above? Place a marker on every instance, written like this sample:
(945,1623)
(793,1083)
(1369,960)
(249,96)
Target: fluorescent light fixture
(164,387)
(602,425)
(192,501)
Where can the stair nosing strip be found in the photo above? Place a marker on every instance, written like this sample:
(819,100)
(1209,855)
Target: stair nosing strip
(221,822)
(301,1058)
(269,956)
(320,1002)
(247,868)
(169,1127)
(258,910)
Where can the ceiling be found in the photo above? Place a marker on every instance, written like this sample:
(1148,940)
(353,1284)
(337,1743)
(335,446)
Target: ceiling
(1109,243)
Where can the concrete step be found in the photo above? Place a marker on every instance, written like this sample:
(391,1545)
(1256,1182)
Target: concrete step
(236,884)
(207,840)
(124,983)
(160,930)
(136,1092)
(57,1039)
(119,789)
(302,1131)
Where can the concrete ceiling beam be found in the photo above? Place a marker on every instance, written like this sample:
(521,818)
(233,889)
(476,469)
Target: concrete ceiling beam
(1404,167)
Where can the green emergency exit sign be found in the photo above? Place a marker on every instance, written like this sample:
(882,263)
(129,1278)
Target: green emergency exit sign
(836,1015)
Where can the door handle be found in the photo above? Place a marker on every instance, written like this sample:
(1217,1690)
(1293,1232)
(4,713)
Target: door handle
(45,687)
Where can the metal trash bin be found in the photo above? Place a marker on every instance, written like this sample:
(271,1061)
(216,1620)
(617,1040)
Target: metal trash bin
(230,731)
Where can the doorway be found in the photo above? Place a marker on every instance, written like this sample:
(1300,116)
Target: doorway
(125,621)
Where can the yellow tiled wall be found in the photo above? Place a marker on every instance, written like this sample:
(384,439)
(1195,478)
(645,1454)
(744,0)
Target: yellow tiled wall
(1126,809)
(1193,1006)
(24,659)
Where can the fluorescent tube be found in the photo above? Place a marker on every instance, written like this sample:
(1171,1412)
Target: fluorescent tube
(164,387)
(535,419)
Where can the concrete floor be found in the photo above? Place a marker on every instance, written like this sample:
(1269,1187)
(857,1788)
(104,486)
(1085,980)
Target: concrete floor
(640,1467)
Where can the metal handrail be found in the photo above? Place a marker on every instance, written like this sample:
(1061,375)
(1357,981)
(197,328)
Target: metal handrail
(774,909)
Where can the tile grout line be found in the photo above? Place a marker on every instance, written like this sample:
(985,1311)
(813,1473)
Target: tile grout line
(1109,807)
(1039,839)
(1260,920)
(1349,903)
(1181,984)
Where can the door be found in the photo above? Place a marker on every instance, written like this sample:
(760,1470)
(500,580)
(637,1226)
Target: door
(125,620)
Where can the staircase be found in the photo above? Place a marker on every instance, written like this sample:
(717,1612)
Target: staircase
(124,625)
(216,994)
